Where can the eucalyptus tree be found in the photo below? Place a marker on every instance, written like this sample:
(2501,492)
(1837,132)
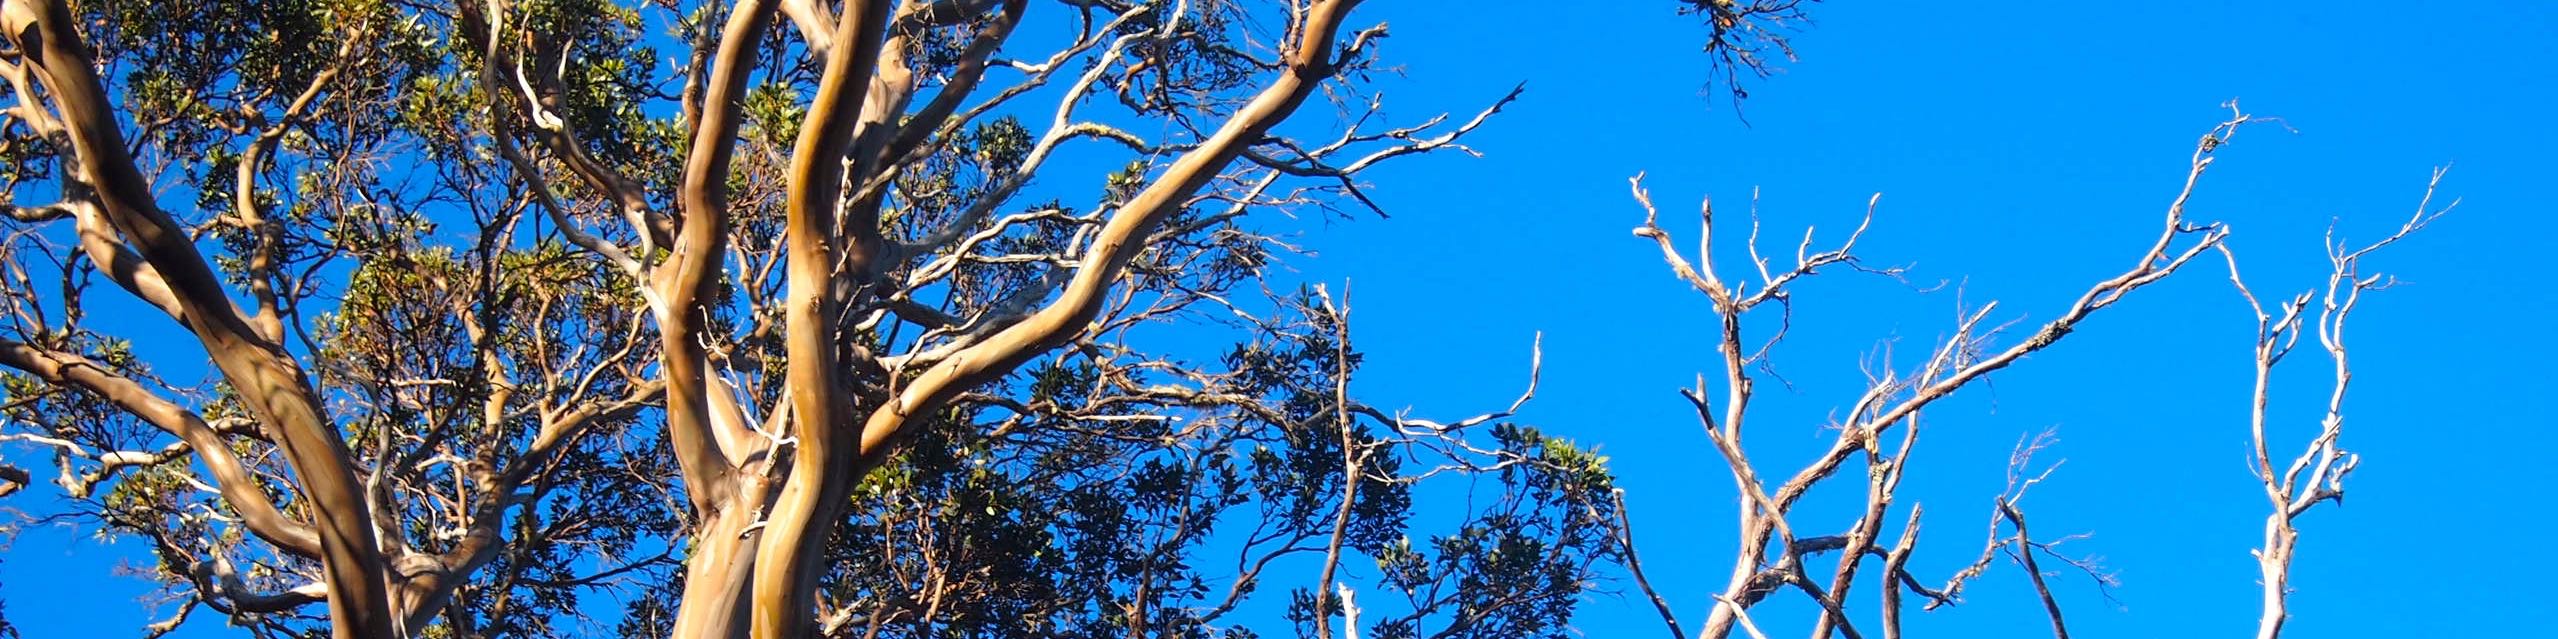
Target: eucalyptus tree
(754,317)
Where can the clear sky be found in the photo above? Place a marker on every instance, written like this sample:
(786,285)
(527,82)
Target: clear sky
(2023,150)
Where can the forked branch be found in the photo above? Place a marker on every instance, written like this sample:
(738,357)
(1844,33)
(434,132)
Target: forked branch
(2318,473)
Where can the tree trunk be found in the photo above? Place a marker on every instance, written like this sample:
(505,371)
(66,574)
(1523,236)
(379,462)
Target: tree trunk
(716,578)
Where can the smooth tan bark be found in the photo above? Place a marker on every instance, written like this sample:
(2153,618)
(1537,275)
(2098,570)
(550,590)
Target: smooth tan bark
(718,574)
(788,557)
(690,276)
(725,501)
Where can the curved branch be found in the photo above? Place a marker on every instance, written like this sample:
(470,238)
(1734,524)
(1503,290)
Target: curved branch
(1122,236)
(237,485)
(690,276)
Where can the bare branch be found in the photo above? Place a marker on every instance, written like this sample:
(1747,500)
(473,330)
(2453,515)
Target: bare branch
(2318,473)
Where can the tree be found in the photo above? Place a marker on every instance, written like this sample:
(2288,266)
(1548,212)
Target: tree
(499,311)
(1880,428)
(505,309)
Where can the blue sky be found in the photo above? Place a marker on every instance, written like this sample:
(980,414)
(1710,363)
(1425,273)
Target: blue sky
(2023,151)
